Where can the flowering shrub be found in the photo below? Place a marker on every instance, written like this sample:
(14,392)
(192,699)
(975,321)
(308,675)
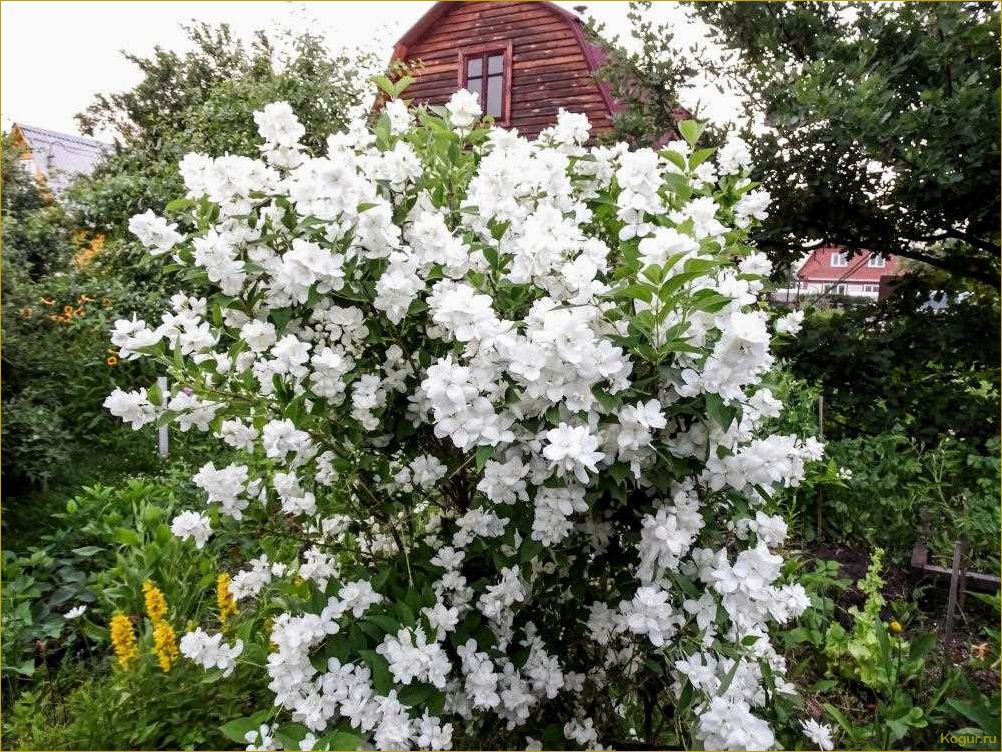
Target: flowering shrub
(495,403)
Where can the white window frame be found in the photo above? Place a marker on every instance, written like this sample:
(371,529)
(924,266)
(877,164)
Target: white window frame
(876,261)
(839,260)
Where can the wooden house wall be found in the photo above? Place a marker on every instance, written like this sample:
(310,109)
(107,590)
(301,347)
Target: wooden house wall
(549,67)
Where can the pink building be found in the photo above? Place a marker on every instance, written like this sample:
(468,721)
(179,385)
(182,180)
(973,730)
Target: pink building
(830,271)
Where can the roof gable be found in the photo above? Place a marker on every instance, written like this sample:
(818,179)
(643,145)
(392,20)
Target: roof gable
(59,157)
(410,44)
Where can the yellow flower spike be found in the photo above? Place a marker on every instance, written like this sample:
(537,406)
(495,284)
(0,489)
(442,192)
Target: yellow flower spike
(165,644)
(224,598)
(156,603)
(123,640)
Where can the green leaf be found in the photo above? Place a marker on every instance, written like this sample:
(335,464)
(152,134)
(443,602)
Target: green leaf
(387,623)
(690,130)
(87,551)
(484,453)
(415,694)
(674,157)
(839,718)
(236,731)
(636,291)
(984,714)
(127,537)
(178,205)
(382,679)
(342,740)
(290,734)
(699,156)
(721,413)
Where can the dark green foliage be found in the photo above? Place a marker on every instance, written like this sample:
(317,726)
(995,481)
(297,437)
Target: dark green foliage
(851,91)
(58,682)
(56,318)
(928,372)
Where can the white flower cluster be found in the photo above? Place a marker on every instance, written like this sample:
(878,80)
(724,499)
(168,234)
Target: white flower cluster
(507,396)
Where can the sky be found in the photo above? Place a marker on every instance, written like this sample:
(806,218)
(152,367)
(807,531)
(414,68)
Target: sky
(56,55)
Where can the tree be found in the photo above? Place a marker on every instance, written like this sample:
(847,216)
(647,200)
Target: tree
(36,234)
(204,101)
(646,81)
(901,363)
(883,125)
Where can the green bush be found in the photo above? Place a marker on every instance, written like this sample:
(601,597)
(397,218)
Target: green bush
(59,675)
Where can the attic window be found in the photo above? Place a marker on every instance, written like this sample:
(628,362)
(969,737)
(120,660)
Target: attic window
(486,72)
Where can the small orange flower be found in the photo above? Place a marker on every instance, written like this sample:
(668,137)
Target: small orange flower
(980,651)
(25,312)
(56,317)
(47,301)
(68,311)
(84,299)
(80,311)
(111,360)
(106,302)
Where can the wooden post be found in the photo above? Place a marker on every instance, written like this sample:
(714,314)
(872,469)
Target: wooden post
(163,440)
(818,498)
(956,583)
(962,593)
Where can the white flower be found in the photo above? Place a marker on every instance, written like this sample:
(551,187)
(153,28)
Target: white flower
(132,336)
(572,450)
(209,651)
(259,335)
(277,124)
(192,525)
(734,156)
(154,233)
(489,408)
(731,725)
(649,613)
(464,108)
(75,613)
(819,733)
(790,323)
(133,408)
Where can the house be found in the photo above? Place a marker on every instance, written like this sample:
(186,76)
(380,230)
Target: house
(829,271)
(56,158)
(525,60)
